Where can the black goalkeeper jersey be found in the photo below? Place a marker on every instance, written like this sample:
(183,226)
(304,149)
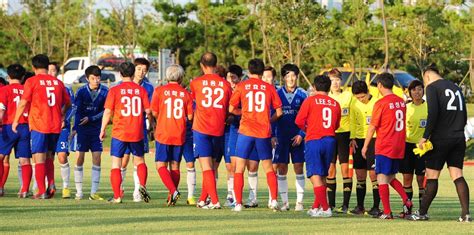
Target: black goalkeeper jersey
(447,114)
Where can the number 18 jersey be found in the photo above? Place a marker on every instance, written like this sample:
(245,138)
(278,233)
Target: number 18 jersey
(128,102)
(212,94)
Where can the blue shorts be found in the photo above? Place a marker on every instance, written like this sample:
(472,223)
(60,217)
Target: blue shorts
(318,155)
(62,145)
(118,148)
(284,149)
(43,143)
(386,166)
(207,145)
(19,141)
(85,142)
(247,144)
(230,142)
(188,152)
(146,146)
(168,153)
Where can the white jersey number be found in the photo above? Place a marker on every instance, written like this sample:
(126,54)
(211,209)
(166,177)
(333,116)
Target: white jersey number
(17,101)
(452,98)
(51,96)
(327,117)
(256,101)
(133,106)
(174,109)
(400,122)
(208,102)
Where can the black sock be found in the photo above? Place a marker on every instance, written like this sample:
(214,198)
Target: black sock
(375,192)
(361,189)
(430,193)
(409,192)
(421,191)
(331,185)
(347,191)
(463,194)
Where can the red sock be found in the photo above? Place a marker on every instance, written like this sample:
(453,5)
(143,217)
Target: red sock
(210,179)
(6,170)
(238,187)
(175,175)
(400,190)
(272,184)
(385,198)
(40,175)
(116,181)
(321,196)
(166,178)
(142,172)
(26,173)
(49,164)
(316,203)
(1,170)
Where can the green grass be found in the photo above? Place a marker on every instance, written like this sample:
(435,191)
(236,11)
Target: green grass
(70,216)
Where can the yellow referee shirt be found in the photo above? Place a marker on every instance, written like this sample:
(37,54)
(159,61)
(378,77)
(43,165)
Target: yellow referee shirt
(360,117)
(416,121)
(345,100)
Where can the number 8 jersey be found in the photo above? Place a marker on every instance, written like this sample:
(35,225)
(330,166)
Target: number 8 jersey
(128,102)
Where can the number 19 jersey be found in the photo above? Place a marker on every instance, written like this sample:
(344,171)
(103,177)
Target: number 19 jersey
(128,102)
(212,94)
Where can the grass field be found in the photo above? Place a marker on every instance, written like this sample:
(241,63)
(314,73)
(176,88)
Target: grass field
(70,216)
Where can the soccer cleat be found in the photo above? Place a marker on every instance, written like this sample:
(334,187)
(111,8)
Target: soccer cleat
(51,190)
(357,211)
(137,197)
(95,197)
(208,200)
(342,210)
(78,196)
(229,202)
(466,219)
(417,216)
(385,216)
(66,193)
(299,206)
(373,211)
(211,206)
(201,204)
(191,201)
(174,198)
(253,204)
(237,208)
(285,206)
(144,194)
(323,213)
(313,211)
(407,207)
(113,200)
(23,195)
(274,206)
(39,196)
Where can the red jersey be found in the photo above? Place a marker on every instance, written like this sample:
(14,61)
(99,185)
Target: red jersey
(173,104)
(46,95)
(212,94)
(388,118)
(319,116)
(256,98)
(128,102)
(10,96)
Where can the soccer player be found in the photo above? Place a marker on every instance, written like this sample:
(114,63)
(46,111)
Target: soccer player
(172,106)
(211,94)
(49,101)
(388,120)
(290,138)
(127,103)
(10,96)
(447,117)
(416,116)
(344,98)
(319,116)
(142,66)
(360,116)
(188,155)
(89,106)
(255,97)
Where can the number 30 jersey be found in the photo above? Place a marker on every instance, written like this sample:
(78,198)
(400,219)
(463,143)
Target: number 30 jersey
(46,95)
(10,96)
(212,94)
(319,116)
(256,97)
(128,102)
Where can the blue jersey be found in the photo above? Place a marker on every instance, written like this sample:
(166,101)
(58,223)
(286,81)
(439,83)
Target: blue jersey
(285,126)
(86,106)
(69,112)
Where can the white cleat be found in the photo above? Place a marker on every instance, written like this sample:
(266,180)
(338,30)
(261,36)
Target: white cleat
(274,206)
(201,204)
(313,211)
(79,196)
(137,197)
(299,206)
(323,213)
(285,206)
(237,208)
(211,206)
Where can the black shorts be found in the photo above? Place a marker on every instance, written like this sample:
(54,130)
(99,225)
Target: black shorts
(359,161)
(449,151)
(342,151)
(411,162)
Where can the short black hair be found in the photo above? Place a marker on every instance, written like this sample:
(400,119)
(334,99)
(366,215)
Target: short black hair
(359,87)
(93,70)
(28,74)
(40,61)
(431,67)
(3,81)
(413,84)
(209,59)
(142,61)
(289,68)
(235,69)
(270,68)
(127,69)
(386,79)
(16,71)
(322,83)
(56,65)
(256,66)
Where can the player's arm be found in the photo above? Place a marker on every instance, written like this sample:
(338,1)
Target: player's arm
(374,123)
(105,122)
(302,116)
(433,109)
(368,138)
(19,111)
(352,125)
(234,102)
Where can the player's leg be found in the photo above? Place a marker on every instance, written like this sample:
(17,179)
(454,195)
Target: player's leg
(204,150)
(188,155)
(331,183)
(62,149)
(23,153)
(39,148)
(264,151)
(95,175)
(26,174)
(244,146)
(280,165)
(252,166)
(138,150)
(6,171)
(373,178)
(407,168)
(163,155)
(79,173)
(360,166)
(300,185)
(117,151)
(455,165)
(53,140)
(123,170)
(343,140)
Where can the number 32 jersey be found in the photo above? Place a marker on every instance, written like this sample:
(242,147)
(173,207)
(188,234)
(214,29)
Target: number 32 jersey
(128,102)
(212,94)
